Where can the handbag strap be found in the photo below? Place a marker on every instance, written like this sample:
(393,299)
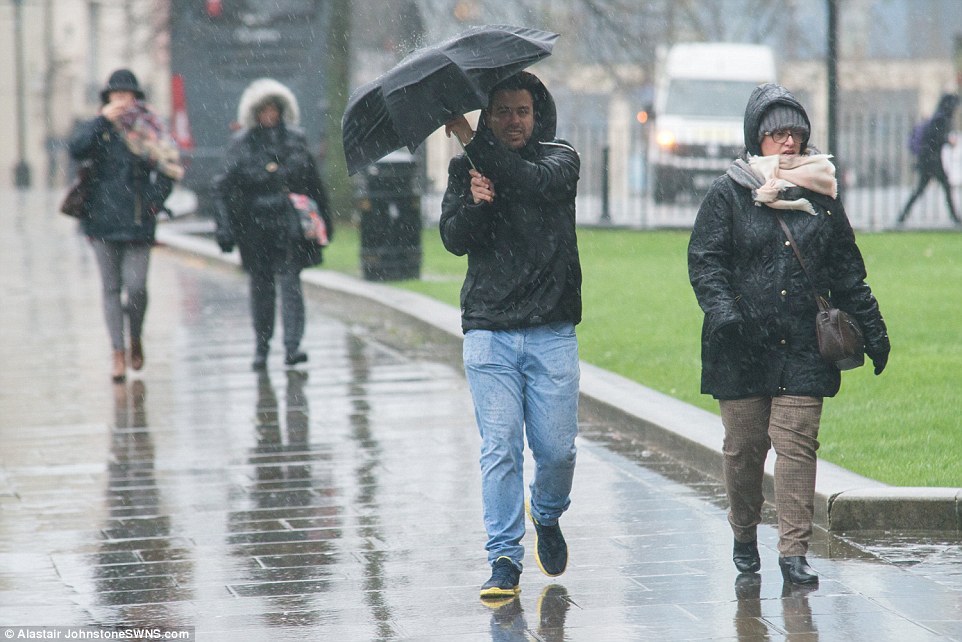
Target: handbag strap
(819,299)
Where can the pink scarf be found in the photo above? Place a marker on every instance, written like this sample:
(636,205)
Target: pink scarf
(814,172)
(146,136)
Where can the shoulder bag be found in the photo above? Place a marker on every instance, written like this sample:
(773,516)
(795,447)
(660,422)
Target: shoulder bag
(839,336)
(76,202)
(310,223)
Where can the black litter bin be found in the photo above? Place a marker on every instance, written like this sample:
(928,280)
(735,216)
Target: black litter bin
(391,220)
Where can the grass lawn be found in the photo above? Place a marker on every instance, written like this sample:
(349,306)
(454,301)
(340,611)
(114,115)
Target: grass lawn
(641,321)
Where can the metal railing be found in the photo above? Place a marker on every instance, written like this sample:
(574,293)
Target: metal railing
(876,178)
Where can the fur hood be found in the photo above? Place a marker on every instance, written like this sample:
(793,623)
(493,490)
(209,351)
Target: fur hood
(261,91)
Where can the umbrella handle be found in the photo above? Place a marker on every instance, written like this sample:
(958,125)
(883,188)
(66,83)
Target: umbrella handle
(473,166)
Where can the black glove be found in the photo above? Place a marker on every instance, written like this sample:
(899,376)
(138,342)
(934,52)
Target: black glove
(226,243)
(878,352)
(879,359)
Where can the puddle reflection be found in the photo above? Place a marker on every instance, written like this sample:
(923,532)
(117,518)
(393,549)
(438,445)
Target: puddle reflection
(287,530)
(799,623)
(797,618)
(508,623)
(140,564)
(367,484)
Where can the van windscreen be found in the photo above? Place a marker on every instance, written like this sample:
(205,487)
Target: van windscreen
(708,98)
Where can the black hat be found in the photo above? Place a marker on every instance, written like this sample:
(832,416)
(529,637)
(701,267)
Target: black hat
(121,80)
(782,116)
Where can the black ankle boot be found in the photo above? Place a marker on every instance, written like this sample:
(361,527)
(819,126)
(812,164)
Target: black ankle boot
(796,570)
(745,556)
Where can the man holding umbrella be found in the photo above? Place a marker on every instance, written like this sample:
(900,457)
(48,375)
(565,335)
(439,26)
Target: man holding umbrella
(510,206)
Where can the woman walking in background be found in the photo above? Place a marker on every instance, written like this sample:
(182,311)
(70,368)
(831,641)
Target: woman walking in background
(759,353)
(267,161)
(134,163)
(934,137)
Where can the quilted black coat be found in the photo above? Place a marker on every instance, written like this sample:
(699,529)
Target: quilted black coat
(758,335)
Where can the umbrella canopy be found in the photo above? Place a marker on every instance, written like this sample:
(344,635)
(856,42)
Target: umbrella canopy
(433,85)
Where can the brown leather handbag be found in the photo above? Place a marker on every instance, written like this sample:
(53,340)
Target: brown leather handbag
(839,336)
(76,202)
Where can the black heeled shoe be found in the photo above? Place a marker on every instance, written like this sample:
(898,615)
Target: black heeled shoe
(745,556)
(795,569)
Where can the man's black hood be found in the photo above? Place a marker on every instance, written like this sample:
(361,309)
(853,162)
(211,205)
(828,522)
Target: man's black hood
(545,114)
(762,98)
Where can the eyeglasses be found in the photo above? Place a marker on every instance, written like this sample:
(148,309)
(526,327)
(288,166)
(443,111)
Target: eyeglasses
(780,136)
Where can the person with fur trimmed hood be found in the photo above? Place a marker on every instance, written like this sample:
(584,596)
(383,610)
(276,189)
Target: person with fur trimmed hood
(759,352)
(510,206)
(267,161)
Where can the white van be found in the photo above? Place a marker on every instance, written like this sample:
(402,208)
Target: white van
(701,92)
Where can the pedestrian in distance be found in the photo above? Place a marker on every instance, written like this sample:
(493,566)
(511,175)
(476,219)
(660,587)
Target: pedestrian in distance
(510,207)
(936,134)
(134,162)
(759,353)
(267,161)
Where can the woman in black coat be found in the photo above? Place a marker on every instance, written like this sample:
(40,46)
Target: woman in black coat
(267,161)
(134,164)
(759,353)
(929,164)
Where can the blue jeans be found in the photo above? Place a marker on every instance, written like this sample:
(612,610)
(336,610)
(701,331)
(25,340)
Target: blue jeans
(523,381)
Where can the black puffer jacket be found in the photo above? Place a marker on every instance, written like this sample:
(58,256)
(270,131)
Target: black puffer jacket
(523,265)
(127,194)
(262,166)
(758,336)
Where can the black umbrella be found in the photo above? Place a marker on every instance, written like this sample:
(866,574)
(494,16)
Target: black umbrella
(433,85)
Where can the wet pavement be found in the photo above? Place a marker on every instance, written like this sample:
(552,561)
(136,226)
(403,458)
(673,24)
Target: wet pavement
(340,500)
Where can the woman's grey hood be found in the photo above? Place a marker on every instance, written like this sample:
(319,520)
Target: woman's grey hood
(545,113)
(262,91)
(762,98)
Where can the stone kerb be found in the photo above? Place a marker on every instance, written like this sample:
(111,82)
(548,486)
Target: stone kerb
(896,508)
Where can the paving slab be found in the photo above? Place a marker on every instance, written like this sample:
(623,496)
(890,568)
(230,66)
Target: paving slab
(341,500)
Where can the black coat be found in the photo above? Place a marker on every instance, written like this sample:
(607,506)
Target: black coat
(523,265)
(936,135)
(758,335)
(262,167)
(126,194)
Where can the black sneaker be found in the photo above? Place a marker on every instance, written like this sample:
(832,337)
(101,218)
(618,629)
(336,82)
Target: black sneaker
(504,580)
(550,549)
(294,358)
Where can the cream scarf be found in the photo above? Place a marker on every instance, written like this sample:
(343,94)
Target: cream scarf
(770,178)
